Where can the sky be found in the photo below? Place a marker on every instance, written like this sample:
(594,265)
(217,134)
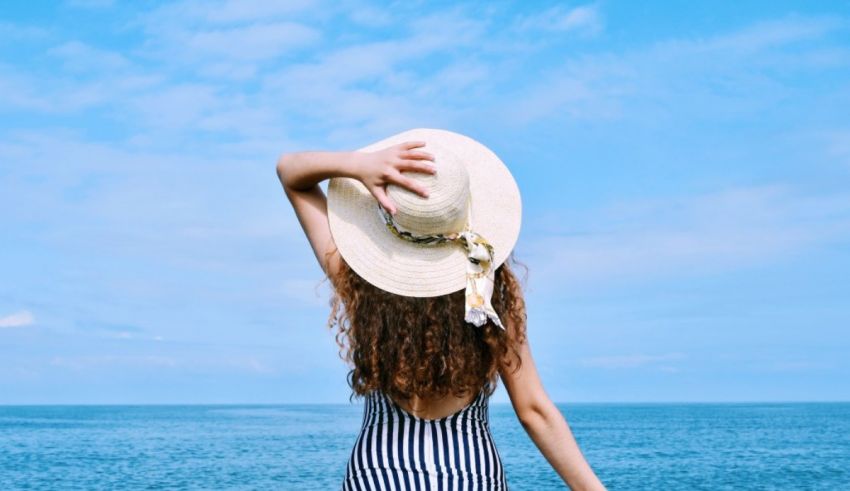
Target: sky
(684,170)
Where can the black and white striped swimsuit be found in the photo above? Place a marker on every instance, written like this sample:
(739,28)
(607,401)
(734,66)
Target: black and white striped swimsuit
(396,450)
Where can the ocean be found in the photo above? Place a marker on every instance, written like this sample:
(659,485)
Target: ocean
(788,446)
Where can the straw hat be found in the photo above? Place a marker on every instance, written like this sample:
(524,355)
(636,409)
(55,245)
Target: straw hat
(473,209)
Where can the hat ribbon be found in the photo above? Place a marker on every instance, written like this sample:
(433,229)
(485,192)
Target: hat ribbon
(480,276)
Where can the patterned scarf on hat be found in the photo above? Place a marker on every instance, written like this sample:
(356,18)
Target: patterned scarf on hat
(479,273)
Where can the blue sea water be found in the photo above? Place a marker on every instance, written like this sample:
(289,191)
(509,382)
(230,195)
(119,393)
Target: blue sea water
(305,447)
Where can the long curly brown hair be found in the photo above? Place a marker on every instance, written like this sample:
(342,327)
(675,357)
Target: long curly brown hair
(407,346)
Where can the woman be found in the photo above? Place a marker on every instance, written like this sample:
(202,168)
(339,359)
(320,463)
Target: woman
(417,228)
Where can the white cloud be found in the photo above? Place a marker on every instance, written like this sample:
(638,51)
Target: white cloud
(585,19)
(732,75)
(796,366)
(178,106)
(18,319)
(19,91)
(81,57)
(14,31)
(91,78)
(90,4)
(764,35)
(84,362)
(169,195)
(377,87)
(226,11)
(838,144)
(633,361)
(226,38)
(365,89)
(196,364)
(374,60)
(369,15)
(253,42)
(682,236)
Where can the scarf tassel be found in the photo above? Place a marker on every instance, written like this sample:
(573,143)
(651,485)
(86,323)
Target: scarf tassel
(480,279)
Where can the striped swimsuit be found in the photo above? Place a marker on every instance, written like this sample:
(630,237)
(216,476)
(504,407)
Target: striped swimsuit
(396,450)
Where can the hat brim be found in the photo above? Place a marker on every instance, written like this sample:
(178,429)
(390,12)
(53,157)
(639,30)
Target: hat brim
(416,270)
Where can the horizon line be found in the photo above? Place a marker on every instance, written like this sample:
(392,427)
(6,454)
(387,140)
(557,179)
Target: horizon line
(173,404)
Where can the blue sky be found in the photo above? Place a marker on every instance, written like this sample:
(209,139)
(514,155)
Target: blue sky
(684,169)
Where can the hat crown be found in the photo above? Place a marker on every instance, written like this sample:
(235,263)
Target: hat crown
(445,210)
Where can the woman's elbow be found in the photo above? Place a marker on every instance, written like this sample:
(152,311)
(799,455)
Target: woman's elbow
(533,416)
(284,170)
(281,165)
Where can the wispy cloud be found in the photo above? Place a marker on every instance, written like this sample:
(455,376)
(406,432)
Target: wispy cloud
(763,35)
(90,4)
(837,144)
(225,39)
(86,362)
(253,42)
(376,86)
(18,319)
(585,19)
(434,70)
(195,364)
(117,330)
(660,362)
(797,366)
(22,32)
(732,74)
(83,58)
(684,235)
(225,11)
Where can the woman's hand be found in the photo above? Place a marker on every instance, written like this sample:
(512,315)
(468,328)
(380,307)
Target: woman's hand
(378,169)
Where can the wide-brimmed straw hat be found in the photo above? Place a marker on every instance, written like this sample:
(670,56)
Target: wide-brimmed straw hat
(453,239)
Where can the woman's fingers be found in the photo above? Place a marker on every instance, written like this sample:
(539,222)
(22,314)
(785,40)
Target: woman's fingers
(409,184)
(418,166)
(412,144)
(385,201)
(417,155)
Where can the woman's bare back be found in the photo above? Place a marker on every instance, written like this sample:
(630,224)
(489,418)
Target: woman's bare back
(435,408)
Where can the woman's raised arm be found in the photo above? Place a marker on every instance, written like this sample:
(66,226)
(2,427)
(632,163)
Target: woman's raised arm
(301,172)
(546,426)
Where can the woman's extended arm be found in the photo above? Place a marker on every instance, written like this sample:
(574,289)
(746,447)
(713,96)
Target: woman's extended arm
(301,172)
(546,426)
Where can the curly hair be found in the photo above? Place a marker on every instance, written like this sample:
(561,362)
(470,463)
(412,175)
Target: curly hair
(421,346)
